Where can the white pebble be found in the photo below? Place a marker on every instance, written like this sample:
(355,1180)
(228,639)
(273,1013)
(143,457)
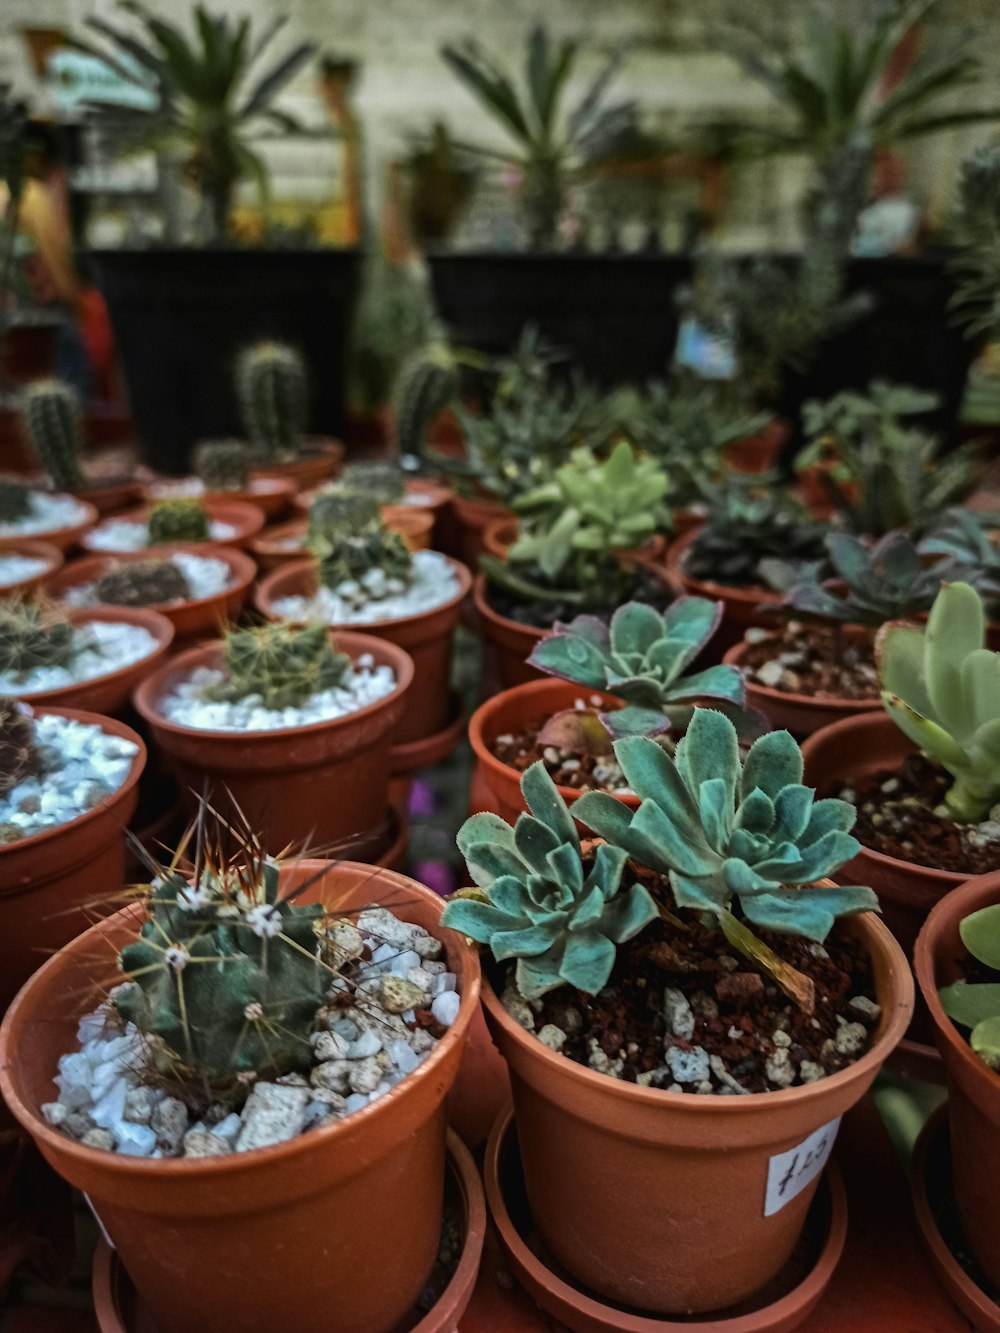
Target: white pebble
(446,1006)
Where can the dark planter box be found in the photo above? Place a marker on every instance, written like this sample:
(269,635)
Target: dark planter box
(181,316)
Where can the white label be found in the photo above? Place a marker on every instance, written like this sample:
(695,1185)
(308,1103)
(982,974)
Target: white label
(97,1218)
(788,1173)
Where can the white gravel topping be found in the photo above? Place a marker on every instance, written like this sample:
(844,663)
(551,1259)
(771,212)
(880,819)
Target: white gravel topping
(205,576)
(48,513)
(17,568)
(118,534)
(186,704)
(374,597)
(81,766)
(105,646)
(366,1041)
(190,487)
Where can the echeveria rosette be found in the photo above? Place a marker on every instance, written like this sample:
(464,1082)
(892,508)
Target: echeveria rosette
(976,1005)
(561,921)
(723,830)
(641,657)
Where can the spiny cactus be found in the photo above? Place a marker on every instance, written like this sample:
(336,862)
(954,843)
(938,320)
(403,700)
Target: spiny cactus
(272,387)
(281,665)
(15,500)
(50,410)
(177,520)
(226,975)
(561,920)
(428,383)
(142,583)
(19,756)
(976,1005)
(337,507)
(223,465)
(384,482)
(353,545)
(34,635)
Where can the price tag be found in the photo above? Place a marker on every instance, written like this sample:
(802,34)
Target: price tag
(788,1173)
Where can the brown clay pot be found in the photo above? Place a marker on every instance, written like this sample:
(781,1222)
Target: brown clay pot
(497,786)
(743,606)
(109,693)
(53,884)
(52,556)
(200,618)
(246,519)
(510,641)
(973,1088)
(410,756)
(470,518)
(760,452)
(279,545)
(62,538)
(801,714)
(415,526)
(320,459)
(322,785)
(271,495)
(198,1237)
(427,638)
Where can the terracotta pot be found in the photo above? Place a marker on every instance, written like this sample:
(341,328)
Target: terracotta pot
(119,1309)
(482,1088)
(743,606)
(110,692)
(760,452)
(497,786)
(470,519)
(656,1199)
(52,556)
(271,495)
(246,519)
(510,641)
(801,714)
(62,538)
(53,884)
(322,785)
(973,1088)
(785,1306)
(409,756)
(270,548)
(686,520)
(200,618)
(427,637)
(415,526)
(319,460)
(198,1237)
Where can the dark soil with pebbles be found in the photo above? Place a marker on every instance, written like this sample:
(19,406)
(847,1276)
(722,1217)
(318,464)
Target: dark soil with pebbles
(818,660)
(567,768)
(898,815)
(683,1012)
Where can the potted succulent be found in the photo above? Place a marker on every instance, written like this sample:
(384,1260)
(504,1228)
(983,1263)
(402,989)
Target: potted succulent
(208,97)
(90,657)
(243,1095)
(362,575)
(25,565)
(272,720)
(272,389)
(223,471)
(53,423)
(960,537)
(61,857)
(957,962)
(819,666)
(629,677)
(177,521)
(624,966)
(27,512)
(587,540)
(197,591)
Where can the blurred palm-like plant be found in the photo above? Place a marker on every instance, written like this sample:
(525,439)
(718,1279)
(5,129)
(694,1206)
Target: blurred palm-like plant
(211,96)
(978,296)
(553,144)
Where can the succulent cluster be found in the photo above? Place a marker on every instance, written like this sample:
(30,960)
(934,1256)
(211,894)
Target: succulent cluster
(976,1004)
(349,540)
(50,410)
(383,481)
(142,583)
(279,664)
(227,974)
(746,528)
(941,687)
(177,520)
(959,537)
(272,387)
(34,635)
(19,755)
(223,465)
(15,500)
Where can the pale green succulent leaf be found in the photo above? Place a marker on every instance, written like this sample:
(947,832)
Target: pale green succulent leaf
(924,733)
(535,977)
(756,813)
(635,721)
(487,843)
(971,1003)
(635,629)
(827,815)
(528,942)
(606,872)
(716,812)
(807,912)
(980,684)
(793,807)
(980,932)
(651,773)
(655,840)
(587,912)
(956,627)
(715,682)
(985,1041)
(563,865)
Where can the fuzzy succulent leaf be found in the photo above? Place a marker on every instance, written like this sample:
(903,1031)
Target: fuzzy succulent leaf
(382,480)
(976,1005)
(560,919)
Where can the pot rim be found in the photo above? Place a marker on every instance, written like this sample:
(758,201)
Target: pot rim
(833,703)
(293,569)
(241,566)
(143,698)
(140,1168)
(894,1024)
(716,592)
(247,519)
(68,531)
(109,725)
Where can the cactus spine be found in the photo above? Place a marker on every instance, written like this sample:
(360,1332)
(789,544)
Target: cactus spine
(177,520)
(50,411)
(428,383)
(282,665)
(33,635)
(272,388)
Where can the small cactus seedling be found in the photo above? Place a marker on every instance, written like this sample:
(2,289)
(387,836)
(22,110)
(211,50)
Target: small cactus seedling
(15,500)
(281,665)
(142,583)
(34,635)
(50,410)
(272,387)
(177,520)
(19,756)
(354,548)
(336,508)
(384,482)
(976,1005)
(223,465)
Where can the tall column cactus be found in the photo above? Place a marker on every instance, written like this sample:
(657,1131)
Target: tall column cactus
(50,411)
(272,387)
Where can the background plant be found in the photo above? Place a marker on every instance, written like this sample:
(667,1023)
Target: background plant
(142,583)
(960,538)
(177,519)
(20,756)
(223,465)
(978,226)
(976,1004)
(273,392)
(50,411)
(744,529)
